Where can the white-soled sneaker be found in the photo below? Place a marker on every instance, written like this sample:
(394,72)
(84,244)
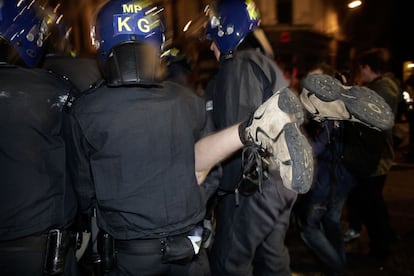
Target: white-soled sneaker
(325,97)
(275,128)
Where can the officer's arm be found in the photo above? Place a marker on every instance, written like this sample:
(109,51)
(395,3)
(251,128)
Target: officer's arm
(214,148)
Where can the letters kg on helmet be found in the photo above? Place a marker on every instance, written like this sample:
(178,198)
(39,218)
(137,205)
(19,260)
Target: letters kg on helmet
(126,21)
(24,25)
(230,21)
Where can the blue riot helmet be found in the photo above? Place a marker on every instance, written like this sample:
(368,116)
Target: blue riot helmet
(129,38)
(23,26)
(230,21)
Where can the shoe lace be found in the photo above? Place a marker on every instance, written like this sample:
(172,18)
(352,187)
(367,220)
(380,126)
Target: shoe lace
(254,171)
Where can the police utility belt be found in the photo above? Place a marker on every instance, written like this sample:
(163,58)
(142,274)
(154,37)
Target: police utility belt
(178,249)
(56,243)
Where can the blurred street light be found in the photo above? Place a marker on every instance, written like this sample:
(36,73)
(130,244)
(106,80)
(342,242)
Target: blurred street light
(354,4)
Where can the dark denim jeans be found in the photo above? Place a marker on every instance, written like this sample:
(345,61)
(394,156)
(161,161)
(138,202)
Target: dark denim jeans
(321,207)
(322,232)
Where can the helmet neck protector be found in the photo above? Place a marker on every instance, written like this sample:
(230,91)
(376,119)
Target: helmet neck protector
(133,63)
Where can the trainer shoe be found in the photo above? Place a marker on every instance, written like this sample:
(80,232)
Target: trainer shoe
(327,98)
(274,128)
(350,235)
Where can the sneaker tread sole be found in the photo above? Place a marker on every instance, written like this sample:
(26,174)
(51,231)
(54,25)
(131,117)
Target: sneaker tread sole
(301,161)
(363,104)
(266,134)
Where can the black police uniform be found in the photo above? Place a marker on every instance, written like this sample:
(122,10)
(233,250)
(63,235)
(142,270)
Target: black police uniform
(82,71)
(133,154)
(252,232)
(35,196)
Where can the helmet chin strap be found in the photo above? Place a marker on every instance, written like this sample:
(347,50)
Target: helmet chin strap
(133,63)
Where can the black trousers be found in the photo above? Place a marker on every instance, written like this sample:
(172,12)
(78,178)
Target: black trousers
(250,237)
(144,257)
(25,257)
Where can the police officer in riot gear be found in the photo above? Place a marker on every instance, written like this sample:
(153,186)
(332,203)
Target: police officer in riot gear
(253,216)
(37,203)
(132,150)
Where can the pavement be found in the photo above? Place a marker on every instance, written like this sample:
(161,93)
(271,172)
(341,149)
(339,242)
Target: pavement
(399,196)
